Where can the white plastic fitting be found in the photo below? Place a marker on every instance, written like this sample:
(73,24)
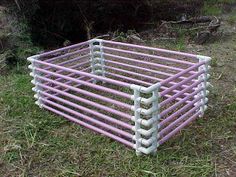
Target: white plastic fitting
(146,112)
(145,101)
(146,150)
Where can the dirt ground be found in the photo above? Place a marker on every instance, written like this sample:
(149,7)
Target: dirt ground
(223,95)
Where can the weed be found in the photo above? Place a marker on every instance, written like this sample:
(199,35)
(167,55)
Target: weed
(232,19)
(213,62)
(16,43)
(211,9)
(180,45)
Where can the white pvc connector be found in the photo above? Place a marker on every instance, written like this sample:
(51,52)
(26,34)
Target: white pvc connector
(146,112)
(102,59)
(152,123)
(204,58)
(36,89)
(146,101)
(144,122)
(146,89)
(144,150)
(33,58)
(97,59)
(37,96)
(205,76)
(136,121)
(91,47)
(143,141)
(156,117)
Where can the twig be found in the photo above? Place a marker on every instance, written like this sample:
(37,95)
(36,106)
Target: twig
(101,36)
(165,38)
(86,22)
(218,78)
(18,4)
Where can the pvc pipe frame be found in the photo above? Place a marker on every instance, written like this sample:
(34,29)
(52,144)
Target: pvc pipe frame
(149,127)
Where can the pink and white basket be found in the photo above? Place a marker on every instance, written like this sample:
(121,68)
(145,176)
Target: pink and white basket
(140,96)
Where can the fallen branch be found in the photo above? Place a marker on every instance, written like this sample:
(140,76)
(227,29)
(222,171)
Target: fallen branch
(206,27)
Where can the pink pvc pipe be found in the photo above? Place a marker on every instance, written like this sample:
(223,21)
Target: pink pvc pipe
(77,52)
(175,114)
(151,48)
(72,74)
(69,61)
(98,114)
(87,118)
(174,106)
(73,67)
(143,62)
(129,79)
(83,74)
(181,83)
(88,102)
(174,91)
(142,68)
(64,48)
(77,85)
(147,55)
(168,136)
(178,99)
(132,73)
(68,82)
(74,59)
(146,76)
(180,93)
(84,92)
(98,87)
(137,67)
(105,108)
(176,76)
(140,82)
(178,120)
(117,138)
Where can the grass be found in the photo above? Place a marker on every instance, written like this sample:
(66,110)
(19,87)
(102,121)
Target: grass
(214,7)
(232,19)
(34,142)
(211,9)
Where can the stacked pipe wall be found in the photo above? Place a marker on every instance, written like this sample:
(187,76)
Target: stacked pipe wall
(140,96)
